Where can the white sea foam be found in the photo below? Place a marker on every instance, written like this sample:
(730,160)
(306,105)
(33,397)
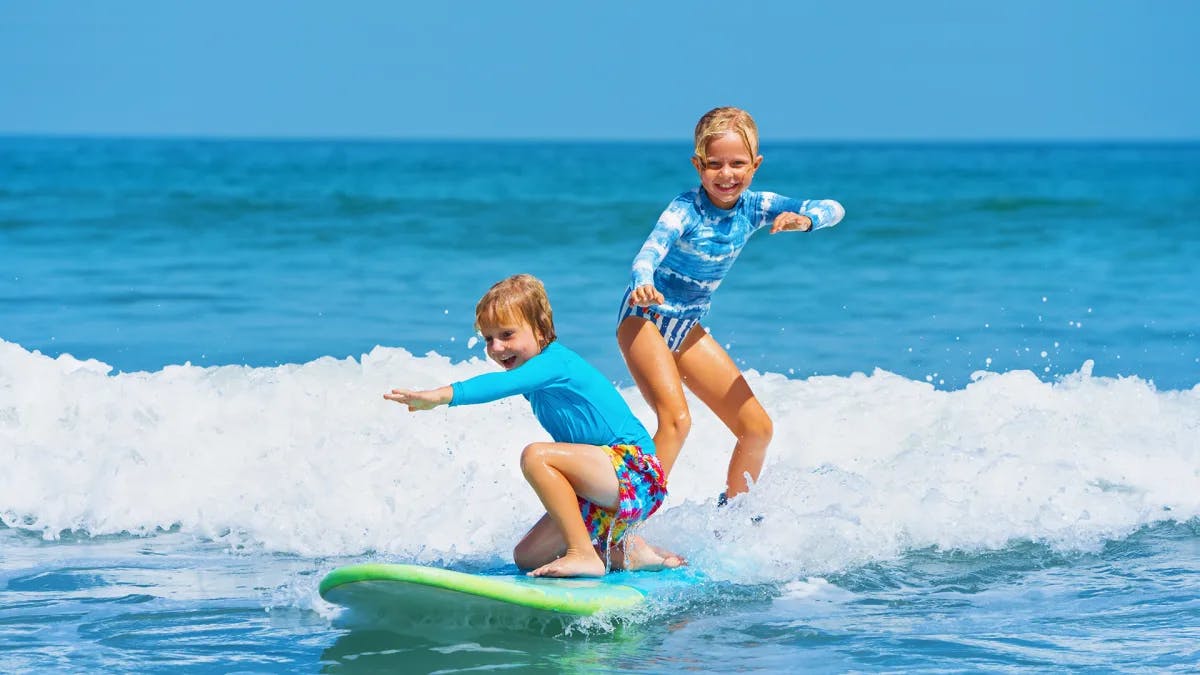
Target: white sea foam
(310,459)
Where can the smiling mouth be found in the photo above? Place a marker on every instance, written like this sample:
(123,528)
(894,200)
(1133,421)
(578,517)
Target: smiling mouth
(508,361)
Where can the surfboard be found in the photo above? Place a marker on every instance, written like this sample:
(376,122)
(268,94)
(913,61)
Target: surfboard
(435,600)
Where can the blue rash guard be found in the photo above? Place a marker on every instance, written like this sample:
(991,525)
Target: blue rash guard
(695,242)
(572,400)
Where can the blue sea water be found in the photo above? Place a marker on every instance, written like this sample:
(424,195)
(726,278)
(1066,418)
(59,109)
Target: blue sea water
(985,384)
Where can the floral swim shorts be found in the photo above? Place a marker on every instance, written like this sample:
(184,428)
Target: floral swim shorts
(642,488)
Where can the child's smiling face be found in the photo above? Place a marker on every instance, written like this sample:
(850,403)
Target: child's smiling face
(511,343)
(727,171)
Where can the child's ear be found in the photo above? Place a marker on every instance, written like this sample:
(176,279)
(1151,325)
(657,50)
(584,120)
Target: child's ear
(757,162)
(697,162)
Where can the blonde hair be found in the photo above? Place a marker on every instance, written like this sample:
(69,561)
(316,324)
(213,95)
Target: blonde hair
(719,121)
(519,298)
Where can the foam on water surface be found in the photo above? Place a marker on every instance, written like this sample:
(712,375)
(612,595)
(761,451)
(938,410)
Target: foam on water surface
(309,459)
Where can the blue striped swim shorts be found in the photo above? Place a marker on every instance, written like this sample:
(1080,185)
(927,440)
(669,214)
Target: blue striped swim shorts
(673,329)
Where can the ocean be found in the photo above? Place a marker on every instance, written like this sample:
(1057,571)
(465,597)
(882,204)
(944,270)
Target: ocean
(985,384)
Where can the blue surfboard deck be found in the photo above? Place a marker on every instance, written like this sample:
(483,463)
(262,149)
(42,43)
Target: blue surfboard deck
(435,601)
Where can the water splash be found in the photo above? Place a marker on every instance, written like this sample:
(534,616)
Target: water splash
(309,459)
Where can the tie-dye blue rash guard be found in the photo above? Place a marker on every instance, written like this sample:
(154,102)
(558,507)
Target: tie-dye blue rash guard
(695,243)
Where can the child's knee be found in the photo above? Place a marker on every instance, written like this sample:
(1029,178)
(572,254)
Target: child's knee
(678,420)
(523,557)
(534,455)
(528,556)
(757,426)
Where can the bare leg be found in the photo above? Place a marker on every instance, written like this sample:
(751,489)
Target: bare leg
(653,368)
(541,544)
(714,378)
(559,472)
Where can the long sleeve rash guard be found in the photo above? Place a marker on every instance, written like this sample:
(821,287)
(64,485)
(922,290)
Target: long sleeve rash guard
(572,400)
(694,244)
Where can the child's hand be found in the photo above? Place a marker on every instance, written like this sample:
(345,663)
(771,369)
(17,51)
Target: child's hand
(421,400)
(645,296)
(788,221)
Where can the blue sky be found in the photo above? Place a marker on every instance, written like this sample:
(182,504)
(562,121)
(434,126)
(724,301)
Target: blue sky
(837,70)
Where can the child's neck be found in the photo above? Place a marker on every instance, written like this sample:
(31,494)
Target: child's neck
(708,198)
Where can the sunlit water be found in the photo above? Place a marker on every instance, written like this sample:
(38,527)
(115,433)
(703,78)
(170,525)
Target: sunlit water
(984,388)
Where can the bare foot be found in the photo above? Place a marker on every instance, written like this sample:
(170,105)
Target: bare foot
(572,564)
(635,554)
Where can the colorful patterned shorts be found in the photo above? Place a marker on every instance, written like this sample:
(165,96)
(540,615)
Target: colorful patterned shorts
(642,489)
(673,329)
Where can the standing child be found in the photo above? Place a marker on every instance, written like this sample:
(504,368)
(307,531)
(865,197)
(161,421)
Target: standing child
(688,253)
(599,476)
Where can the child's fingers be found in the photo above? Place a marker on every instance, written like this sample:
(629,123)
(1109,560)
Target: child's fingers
(645,295)
(786,221)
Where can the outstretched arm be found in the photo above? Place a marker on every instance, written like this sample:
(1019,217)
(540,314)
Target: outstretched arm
(534,374)
(799,215)
(421,400)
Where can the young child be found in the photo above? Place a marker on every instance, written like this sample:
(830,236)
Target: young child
(688,253)
(599,476)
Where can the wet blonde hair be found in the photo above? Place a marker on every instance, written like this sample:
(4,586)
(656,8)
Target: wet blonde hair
(520,298)
(718,122)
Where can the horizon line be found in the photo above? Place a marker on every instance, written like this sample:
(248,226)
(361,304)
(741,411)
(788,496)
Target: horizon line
(332,138)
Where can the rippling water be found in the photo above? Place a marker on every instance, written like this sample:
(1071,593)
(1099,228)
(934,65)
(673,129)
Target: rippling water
(984,384)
